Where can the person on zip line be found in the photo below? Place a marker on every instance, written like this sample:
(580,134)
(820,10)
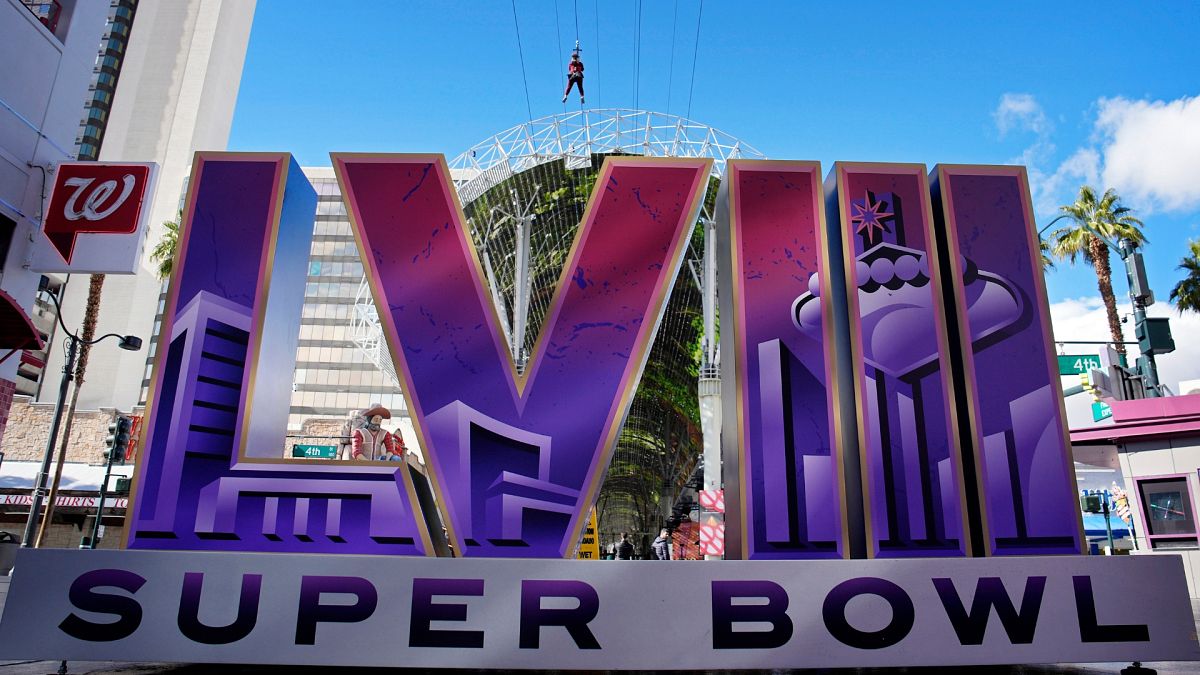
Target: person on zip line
(574,76)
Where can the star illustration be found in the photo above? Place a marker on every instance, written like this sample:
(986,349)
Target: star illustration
(867,215)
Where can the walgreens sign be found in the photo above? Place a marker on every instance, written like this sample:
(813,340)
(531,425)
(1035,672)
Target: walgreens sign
(95,221)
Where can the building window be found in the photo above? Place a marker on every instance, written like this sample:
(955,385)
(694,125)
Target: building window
(47,11)
(1167,512)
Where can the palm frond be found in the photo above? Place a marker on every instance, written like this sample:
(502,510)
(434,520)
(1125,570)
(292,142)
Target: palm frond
(163,253)
(1186,293)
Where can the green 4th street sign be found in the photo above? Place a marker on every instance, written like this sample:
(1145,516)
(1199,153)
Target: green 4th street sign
(1076,364)
(315,451)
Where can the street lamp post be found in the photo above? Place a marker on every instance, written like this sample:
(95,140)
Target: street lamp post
(127,342)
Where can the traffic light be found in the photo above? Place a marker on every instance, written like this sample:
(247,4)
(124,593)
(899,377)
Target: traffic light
(1154,335)
(118,439)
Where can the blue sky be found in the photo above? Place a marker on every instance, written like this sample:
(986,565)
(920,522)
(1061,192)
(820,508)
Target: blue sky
(1101,92)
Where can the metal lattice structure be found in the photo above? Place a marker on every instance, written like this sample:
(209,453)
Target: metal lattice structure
(367,333)
(575,137)
(571,140)
(524,192)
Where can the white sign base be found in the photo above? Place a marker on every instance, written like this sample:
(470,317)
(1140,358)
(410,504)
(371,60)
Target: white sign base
(561,614)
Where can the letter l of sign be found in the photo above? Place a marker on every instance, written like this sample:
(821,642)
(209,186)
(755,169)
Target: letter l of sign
(517,456)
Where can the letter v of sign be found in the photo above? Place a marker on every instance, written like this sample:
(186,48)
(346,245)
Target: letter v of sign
(517,458)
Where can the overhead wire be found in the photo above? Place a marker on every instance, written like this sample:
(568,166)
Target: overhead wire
(521,54)
(671,69)
(596,80)
(558,36)
(695,53)
(557,28)
(577,47)
(637,52)
(576,22)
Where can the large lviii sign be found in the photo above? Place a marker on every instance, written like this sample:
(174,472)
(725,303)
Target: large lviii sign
(847,306)
(890,393)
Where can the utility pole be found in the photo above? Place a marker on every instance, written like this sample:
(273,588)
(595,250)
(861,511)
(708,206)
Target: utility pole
(1153,334)
(43,476)
(709,386)
(1108,522)
(127,342)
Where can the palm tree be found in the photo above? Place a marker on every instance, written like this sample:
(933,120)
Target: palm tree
(164,251)
(1044,251)
(1091,216)
(1186,294)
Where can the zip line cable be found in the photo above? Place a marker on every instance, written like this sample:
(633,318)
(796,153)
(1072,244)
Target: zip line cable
(635,32)
(596,8)
(671,70)
(521,54)
(637,61)
(557,28)
(558,35)
(577,49)
(695,53)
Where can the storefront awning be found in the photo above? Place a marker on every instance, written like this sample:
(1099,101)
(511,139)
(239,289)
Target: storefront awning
(75,476)
(16,328)
(1166,417)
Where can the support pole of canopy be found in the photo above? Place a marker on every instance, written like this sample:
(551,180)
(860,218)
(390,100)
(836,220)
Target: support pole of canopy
(709,388)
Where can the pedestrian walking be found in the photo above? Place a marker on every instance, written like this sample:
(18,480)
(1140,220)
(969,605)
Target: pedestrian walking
(662,545)
(624,548)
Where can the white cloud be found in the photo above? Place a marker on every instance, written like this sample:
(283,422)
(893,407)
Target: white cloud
(1020,112)
(1051,190)
(1152,151)
(1149,151)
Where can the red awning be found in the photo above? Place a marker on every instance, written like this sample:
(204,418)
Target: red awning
(16,329)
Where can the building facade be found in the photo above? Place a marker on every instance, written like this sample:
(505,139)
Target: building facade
(49,52)
(178,86)
(106,72)
(1153,445)
(333,377)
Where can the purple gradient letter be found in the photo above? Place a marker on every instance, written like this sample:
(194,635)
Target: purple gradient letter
(913,493)
(1014,398)
(211,473)
(517,459)
(780,344)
